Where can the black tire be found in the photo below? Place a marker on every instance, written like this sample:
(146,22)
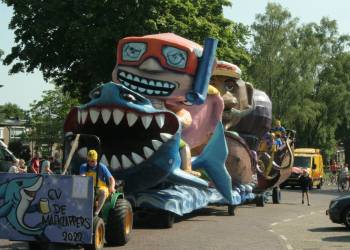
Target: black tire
(231,210)
(320,185)
(276,195)
(98,235)
(166,219)
(120,222)
(260,200)
(346,217)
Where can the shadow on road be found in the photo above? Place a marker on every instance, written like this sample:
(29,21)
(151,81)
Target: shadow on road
(344,238)
(327,191)
(15,246)
(329,229)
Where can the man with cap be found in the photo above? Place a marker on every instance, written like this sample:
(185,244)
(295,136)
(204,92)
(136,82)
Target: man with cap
(105,183)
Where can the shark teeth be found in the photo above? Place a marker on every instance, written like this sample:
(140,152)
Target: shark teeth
(106,114)
(146,120)
(156,144)
(136,158)
(132,118)
(117,116)
(126,162)
(115,164)
(160,118)
(94,114)
(165,136)
(104,160)
(148,152)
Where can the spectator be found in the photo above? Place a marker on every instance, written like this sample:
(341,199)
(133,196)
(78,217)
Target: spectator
(56,163)
(305,181)
(45,168)
(22,168)
(14,167)
(35,163)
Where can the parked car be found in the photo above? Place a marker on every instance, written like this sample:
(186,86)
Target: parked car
(6,158)
(339,210)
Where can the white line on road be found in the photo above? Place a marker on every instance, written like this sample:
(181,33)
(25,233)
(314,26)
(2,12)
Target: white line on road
(286,220)
(274,224)
(283,237)
(301,216)
(270,230)
(289,247)
(311,213)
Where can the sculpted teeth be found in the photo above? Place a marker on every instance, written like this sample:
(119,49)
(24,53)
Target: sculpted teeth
(117,116)
(160,120)
(156,144)
(148,152)
(126,162)
(165,136)
(144,81)
(136,158)
(84,114)
(115,164)
(146,120)
(104,160)
(106,114)
(94,113)
(132,118)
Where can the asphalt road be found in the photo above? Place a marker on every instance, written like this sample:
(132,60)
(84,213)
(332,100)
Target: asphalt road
(289,225)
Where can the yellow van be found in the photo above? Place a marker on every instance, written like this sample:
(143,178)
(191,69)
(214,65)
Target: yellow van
(311,160)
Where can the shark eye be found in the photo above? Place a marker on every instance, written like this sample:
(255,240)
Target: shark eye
(95,94)
(20,183)
(129,97)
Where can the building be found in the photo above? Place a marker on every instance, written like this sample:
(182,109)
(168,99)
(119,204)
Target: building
(11,129)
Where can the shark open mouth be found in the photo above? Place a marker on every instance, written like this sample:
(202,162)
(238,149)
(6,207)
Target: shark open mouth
(30,193)
(144,85)
(128,137)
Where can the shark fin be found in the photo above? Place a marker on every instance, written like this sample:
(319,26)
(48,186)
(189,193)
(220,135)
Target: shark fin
(178,176)
(212,160)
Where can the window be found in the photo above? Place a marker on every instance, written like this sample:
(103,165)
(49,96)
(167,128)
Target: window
(16,132)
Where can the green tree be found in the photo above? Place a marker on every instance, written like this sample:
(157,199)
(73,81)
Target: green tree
(11,111)
(47,118)
(73,42)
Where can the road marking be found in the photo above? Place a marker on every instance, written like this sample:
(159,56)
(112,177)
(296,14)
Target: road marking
(283,237)
(270,230)
(312,213)
(289,247)
(274,224)
(286,220)
(301,216)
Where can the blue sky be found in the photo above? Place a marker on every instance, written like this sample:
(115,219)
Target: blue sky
(23,88)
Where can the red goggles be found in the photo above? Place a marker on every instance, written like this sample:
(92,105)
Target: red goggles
(171,55)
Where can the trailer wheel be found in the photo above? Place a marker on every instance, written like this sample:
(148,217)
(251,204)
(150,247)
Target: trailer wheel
(98,236)
(166,219)
(120,222)
(260,200)
(276,195)
(231,210)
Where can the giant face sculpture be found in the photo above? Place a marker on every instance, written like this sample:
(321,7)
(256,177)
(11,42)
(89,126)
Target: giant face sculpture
(236,93)
(161,66)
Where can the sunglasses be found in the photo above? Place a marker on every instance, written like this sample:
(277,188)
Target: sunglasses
(171,55)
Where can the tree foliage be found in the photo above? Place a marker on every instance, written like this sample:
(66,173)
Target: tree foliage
(304,69)
(47,118)
(11,111)
(73,42)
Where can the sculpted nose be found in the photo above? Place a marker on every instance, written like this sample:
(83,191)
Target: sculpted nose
(230,101)
(152,65)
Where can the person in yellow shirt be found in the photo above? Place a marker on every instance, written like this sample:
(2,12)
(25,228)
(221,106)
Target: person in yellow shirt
(104,182)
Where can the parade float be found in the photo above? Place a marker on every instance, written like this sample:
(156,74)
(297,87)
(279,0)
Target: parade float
(254,162)
(160,127)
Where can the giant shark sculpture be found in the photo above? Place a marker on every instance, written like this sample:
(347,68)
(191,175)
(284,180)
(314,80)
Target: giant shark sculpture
(140,144)
(17,195)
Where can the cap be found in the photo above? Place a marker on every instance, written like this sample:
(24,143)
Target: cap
(92,155)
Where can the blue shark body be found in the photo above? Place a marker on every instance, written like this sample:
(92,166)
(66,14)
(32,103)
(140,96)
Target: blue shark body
(17,195)
(140,144)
